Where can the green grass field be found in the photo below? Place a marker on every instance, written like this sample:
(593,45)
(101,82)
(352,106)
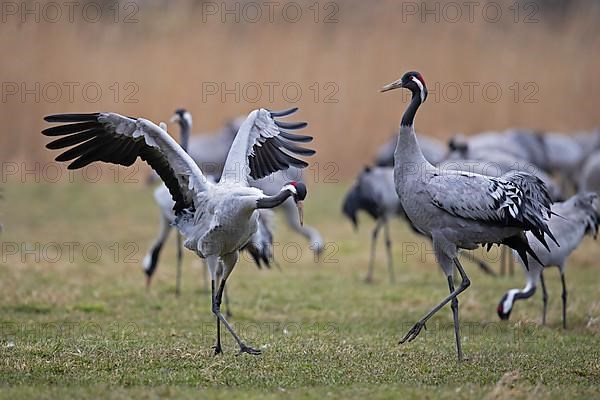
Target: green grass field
(80,323)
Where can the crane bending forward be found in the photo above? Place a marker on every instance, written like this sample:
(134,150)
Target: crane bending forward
(217,220)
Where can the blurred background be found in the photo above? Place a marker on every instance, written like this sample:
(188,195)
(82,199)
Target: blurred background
(488,65)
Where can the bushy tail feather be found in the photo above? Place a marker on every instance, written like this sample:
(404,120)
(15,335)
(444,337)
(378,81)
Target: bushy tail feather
(358,199)
(520,244)
(352,205)
(535,207)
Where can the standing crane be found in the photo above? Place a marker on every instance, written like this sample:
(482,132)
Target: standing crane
(217,220)
(460,209)
(571,221)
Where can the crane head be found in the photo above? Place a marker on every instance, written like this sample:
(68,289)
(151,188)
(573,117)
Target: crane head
(182,116)
(298,190)
(412,81)
(504,308)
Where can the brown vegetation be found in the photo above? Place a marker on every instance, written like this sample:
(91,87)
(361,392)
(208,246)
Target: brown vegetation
(171,52)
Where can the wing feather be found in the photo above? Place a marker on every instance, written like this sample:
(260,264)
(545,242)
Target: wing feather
(263,146)
(515,199)
(115,139)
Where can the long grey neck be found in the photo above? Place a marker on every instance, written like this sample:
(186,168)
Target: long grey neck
(184,134)
(520,294)
(525,293)
(407,147)
(273,201)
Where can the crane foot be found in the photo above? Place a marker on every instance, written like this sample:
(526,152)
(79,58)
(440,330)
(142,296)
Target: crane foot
(414,332)
(217,350)
(249,350)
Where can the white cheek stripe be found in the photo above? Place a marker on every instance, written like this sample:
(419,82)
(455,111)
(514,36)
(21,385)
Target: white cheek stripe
(510,298)
(188,117)
(291,188)
(418,82)
(508,303)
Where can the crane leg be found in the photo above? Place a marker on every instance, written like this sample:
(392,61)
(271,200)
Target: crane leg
(228,264)
(228,313)
(150,262)
(464,284)
(564,298)
(388,248)
(454,306)
(511,263)
(503,261)
(369,277)
(217,347)
(544,297)
(179,262)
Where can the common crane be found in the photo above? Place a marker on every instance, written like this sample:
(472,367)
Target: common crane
(210,152)
(260,246)
(217,220)
(571,221)
(460,209)
(374,193)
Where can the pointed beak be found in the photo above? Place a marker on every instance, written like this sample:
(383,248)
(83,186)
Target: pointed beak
(148,282)
(300,205)
(391,86)
(174,118)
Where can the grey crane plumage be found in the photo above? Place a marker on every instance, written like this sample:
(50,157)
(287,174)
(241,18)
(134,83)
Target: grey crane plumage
(589,180)
(460,209)
(563,156)
(217,220)
(260,246)
(541,153)
(588,141)
(571,222)
(374,192)
(497,163)
(521,144)
(210,152)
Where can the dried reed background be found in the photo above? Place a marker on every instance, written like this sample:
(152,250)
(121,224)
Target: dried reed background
(170,52)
